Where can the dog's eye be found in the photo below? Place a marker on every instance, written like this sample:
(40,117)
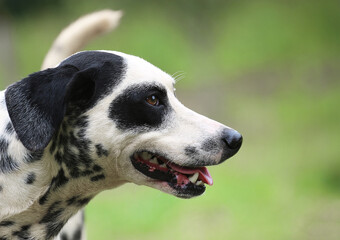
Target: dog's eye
(152,100)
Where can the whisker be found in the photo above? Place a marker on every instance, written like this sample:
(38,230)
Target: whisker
(178,72)
(178,76)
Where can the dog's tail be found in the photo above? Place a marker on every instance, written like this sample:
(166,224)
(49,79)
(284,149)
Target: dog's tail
(74,37)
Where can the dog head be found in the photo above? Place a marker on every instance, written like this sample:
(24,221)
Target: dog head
(136,129)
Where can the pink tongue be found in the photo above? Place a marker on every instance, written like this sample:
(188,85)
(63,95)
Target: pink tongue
(203,172)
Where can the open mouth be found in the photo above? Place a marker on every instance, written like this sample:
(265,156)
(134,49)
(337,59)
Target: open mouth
(187,181)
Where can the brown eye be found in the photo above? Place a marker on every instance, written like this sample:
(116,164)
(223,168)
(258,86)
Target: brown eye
(152,100)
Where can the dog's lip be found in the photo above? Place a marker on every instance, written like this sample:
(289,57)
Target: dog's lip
(183,174)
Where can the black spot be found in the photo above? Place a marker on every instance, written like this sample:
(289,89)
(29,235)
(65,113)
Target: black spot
(82,122)
(1,188)
(101,151)
(53,228)
(84,153)
(43,199)
(3,146)
(77,234)
(7,164)
(9,128)
(97,177)
(57,182)
(130,111)
(196,158)
(190,151)
(6,223)
(54,211)
(82,202)
(210,145)
(86,173)
(75,173)
(30,178)
(58,156)
(63,236)
(81,133)
(72,200)
(60,179)
(52,219)
(97,168)
(23,233)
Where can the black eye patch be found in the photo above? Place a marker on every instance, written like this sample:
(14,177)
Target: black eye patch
(131,111)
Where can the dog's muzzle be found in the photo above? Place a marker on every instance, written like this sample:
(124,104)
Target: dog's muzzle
(188,178)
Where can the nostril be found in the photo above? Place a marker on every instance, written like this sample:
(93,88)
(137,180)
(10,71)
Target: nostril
(232,138)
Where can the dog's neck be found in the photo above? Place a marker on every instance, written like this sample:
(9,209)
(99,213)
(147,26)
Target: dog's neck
(54,183)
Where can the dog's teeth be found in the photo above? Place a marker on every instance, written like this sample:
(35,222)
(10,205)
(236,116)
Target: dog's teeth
(199,183)
(145,155)
(154,160)
(194,177)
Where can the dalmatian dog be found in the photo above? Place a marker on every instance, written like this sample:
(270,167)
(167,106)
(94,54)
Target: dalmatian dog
(95,121)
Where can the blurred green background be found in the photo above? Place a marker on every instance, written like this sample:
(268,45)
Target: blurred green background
(269,69)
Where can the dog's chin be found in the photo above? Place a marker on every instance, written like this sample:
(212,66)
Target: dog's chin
(165,175)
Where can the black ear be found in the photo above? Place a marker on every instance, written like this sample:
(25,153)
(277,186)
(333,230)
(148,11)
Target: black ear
(37,104)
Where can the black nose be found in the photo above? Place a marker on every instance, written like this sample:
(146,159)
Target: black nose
(233,142)
(232,138)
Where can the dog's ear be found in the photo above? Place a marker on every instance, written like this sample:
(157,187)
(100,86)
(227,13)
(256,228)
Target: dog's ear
(37,104)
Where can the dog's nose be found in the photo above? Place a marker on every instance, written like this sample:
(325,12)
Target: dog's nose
(232,138)
(233,141)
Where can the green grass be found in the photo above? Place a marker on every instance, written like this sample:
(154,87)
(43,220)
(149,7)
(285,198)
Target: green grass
(268,69)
